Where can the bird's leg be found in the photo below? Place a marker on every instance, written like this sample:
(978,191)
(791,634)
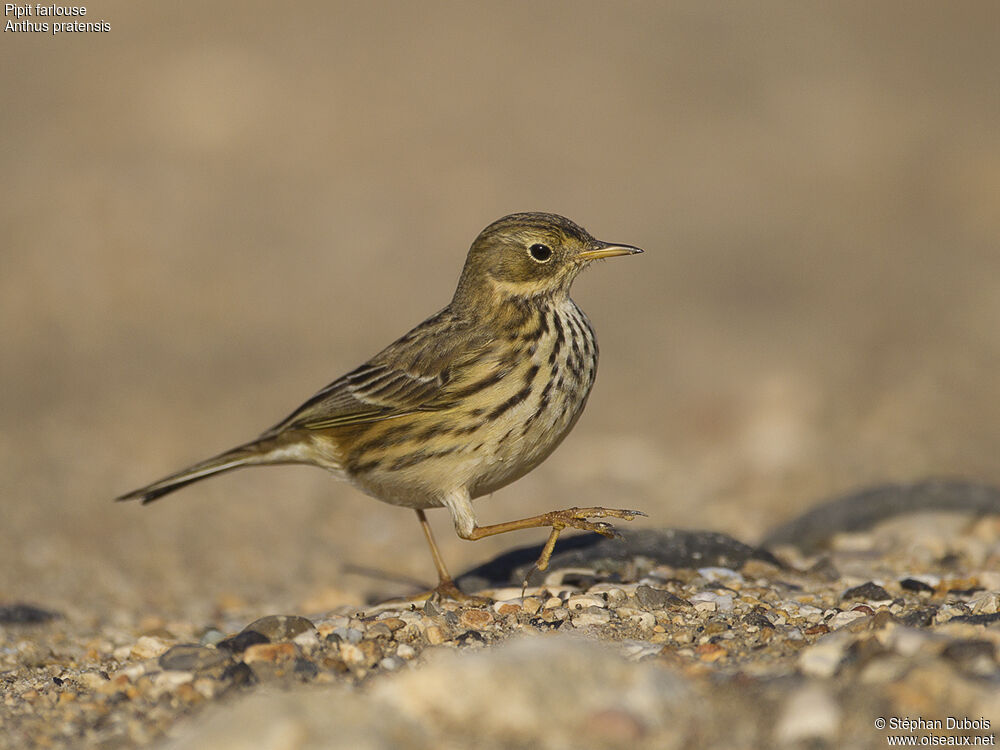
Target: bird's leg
(446,588)
(573,518)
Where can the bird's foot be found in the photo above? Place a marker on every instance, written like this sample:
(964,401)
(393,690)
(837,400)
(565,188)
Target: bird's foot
(578,518)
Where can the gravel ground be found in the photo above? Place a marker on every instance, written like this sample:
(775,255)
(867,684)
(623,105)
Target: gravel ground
(726,646)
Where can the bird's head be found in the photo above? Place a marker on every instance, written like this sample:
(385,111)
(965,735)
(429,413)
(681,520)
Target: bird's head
(530,255)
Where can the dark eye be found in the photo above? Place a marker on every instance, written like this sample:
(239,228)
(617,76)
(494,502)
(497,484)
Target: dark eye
(540,252)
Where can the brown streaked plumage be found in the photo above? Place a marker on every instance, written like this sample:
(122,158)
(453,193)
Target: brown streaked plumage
(470,400)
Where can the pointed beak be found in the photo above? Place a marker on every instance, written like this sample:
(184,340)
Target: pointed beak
(608,250)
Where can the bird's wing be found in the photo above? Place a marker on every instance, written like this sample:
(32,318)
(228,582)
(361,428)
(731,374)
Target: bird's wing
(410,375)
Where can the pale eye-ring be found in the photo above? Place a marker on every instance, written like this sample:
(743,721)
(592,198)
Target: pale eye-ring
(541,253)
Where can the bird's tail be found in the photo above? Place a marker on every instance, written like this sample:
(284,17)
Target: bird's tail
(249,454)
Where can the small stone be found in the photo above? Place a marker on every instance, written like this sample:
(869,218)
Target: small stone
(636,650)
(824,657)
(379,630)
(372,651)
(919,618)
(239,674)
(476,618)
(643,620)
(820,629)
(507,608)
(92,680)
(915,584)
(390,663)
(348,635)
(869,591)
(307,641)
(211,637)
(552,602)
(147,647)
(594,616)
(305,669)
(240,642)
(280,627)
(269,652)
(188,657)
(582,601)
(435,636)
(405,651)
(842,619)
(393,623)
(987,604)
(657,599)
(720,602)
(531,605)
(616,597)
(710,652)
(352,655)
(166,682)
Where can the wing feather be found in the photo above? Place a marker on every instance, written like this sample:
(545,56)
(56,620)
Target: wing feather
(410,375)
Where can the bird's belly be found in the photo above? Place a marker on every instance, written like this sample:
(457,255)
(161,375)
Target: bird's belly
(481,462)
(492,437)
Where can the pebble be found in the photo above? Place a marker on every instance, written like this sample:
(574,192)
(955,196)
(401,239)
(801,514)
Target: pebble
(189,657)
(582,601)
(269,652)
(869,591)
(653,598)
(592,617)
(475,618)
(147,647)
(722,602)
(823,658)
(842,619)
(435,635)
(280,627)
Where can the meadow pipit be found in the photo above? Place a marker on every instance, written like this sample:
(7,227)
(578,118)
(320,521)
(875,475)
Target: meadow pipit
(471,399)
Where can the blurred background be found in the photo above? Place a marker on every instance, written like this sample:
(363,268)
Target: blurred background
(210,214)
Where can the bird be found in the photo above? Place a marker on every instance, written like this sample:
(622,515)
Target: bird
(468,401)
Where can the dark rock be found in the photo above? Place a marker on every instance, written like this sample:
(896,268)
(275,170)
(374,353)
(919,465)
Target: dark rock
(919,618)
(609,557)
(757,618)
(912,584)
(869,591)
(25,614)
(971,591)
(977,619)
(278,628)
(239,675)
(306,669)
(189,657)
(243,640)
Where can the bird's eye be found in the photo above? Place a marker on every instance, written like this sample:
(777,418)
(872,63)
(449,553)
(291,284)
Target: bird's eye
(541,253)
